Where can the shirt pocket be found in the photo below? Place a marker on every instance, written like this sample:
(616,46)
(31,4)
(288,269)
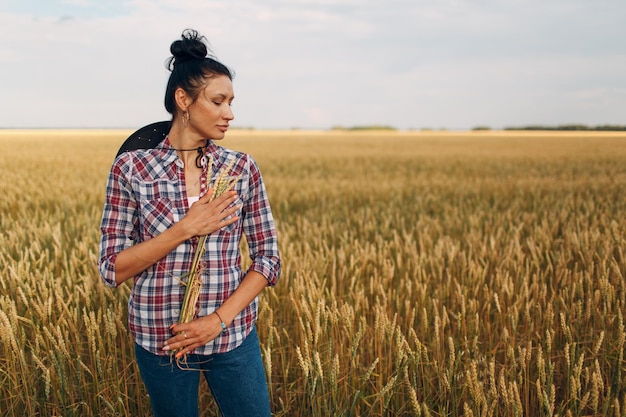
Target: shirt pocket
(156,216)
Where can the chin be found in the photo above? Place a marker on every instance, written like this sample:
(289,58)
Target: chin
(215,135)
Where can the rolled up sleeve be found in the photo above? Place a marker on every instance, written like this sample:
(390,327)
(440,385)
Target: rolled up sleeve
(260,230)
(119,219)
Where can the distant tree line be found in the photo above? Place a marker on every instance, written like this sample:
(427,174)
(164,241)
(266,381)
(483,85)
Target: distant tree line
(366,127)
(578,127)
(567,127)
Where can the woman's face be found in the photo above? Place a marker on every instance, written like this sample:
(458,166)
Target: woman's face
(211,114)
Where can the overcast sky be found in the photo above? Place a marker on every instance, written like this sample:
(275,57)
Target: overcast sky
(410,64)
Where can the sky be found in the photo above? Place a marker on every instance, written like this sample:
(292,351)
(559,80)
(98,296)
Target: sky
(318,64)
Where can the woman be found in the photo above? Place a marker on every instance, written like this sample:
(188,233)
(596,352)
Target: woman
(157,204)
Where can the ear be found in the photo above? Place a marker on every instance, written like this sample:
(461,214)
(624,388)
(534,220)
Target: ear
(183,101)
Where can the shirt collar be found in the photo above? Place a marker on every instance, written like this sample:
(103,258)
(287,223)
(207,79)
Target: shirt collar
(170,156)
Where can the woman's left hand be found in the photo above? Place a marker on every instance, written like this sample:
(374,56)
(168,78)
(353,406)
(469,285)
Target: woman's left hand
(196,333)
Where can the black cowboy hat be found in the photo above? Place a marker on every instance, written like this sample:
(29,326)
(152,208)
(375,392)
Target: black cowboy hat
(147,137)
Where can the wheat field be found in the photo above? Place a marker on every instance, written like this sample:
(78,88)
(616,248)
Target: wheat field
(424,274)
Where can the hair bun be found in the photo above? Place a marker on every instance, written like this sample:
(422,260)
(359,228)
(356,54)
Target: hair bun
(192,45)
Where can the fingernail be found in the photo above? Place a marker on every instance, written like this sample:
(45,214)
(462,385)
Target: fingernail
(166,348)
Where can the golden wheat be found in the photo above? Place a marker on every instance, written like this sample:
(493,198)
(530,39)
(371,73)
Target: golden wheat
(193,283)
(423,274)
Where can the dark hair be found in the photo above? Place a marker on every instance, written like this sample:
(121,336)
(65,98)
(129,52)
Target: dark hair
(191,66)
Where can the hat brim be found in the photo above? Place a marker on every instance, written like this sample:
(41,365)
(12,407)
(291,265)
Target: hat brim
(147,137)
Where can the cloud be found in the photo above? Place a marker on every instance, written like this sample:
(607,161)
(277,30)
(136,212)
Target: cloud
(304,63)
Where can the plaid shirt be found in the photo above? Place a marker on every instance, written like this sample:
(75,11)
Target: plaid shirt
(144,197)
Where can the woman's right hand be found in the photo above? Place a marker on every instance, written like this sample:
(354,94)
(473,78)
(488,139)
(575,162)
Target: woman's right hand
(205,216)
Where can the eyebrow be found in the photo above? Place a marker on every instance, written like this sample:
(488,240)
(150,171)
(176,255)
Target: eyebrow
(223,96)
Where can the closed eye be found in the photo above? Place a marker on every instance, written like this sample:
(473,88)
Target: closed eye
(219,103)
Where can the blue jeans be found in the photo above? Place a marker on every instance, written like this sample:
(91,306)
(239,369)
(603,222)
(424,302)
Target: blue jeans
(236,379)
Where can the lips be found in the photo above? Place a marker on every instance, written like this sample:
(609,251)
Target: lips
(223,128)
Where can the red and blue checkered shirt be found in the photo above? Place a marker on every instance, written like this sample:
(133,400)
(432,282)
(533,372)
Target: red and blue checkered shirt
(144,197)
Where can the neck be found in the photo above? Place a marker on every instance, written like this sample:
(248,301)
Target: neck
(190,150)
(181,137)
(193,155)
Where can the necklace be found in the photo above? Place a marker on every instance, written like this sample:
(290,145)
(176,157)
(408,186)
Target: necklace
(200,150)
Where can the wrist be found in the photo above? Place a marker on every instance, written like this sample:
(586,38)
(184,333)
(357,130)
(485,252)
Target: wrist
(181,231)
(222,323)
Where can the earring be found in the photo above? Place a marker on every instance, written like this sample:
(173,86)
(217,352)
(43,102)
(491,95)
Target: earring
(186,118)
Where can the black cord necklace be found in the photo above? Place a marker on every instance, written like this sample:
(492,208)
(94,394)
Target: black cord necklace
(199,149)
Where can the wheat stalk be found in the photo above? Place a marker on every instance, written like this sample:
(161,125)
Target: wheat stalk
(193,285)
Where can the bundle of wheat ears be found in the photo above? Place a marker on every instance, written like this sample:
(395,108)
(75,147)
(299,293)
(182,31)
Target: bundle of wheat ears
(222,184)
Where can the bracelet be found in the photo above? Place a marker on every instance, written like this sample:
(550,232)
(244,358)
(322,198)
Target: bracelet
(222,321)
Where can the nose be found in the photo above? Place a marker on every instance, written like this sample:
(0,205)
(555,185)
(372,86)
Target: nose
(228,114)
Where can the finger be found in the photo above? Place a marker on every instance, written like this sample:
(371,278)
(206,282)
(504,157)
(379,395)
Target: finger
(180,341)
(183,350)
(226,207)
(227,217)
(230,210)
(178,328)
(229,221)
(179,332)
(186,350)
(221,201)
(225,196)
(207,197)
(172,344)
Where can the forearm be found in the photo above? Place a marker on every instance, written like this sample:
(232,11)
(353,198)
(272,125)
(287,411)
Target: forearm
(188,336)
(139,257)
(250,287)
(203,218)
